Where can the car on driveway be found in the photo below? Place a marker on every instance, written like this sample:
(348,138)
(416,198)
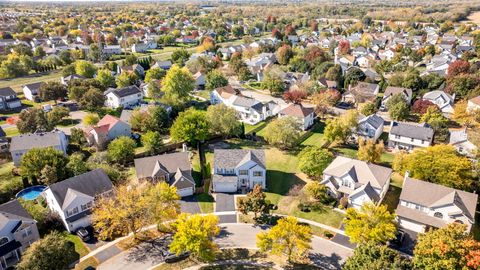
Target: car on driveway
(83,234)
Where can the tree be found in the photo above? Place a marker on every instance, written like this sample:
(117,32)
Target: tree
(458,67)
(36,159)
(284,54)
(369,151)
(314,160)
(85,69)
(52,91)
(434,117)
(154,74)
(371,223)
(353,76)
(90,119)
(121,150)
(255,202)
(371,256)
(317,192)
(287,238)
(215,79)
(420,106)
(56,115)
(325,99)
(180,56)
(76,165)
(223,120)
(339,129)
(283,132)
(130,59)
(438,164)
(294,96)
(126,79)
(162,202)
(368,108)
(447,248)
(344,47)
(34,119)
(195,234)
(105,78)
(397,107)
(77,137)
(152,141)
(273,80)
(178,84)
(92,99)
(52,252)
(157,119)
(190,126)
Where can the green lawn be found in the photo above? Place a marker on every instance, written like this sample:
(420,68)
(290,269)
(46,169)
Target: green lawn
(9,184)
(88,262)
(386,158)
(315,136)
(12,131)
(255,128)
(16,83)
(80,248)
(203,93)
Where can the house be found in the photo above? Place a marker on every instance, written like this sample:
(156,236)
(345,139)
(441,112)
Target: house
(369,127)
(126,97)
(4,143)
(8,99)
(425,205)
(360,93)
(443,100)
(21,144)
(238,169)
(200,79)
(106,130)
(143,47)
(165,65)
(327,83)
(65,80)
(391,90)
(109,50)
(473,104)
(250,110)
(174,168)
(30,91)
(18,230)
(304,116)
(408,136)
(357,180)
(459,140)
(72,199)
(136,68)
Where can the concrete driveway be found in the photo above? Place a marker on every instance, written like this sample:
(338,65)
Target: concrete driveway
(75,115)
(224,202)
(189,205)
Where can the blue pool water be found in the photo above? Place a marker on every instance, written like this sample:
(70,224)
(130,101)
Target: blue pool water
(30,193)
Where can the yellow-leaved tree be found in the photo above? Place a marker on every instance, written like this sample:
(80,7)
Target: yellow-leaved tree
(370,151)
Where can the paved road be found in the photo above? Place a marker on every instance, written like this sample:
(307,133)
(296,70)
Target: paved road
(326,254)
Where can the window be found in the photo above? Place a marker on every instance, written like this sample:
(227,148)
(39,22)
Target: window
(438,215)
(26,232)
(397,136)
(411,139)
(257,173)
(86,206)
(243,172)
(72,212)
(3,241)
(345,183)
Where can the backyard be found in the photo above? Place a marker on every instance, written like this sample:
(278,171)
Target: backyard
(17,83)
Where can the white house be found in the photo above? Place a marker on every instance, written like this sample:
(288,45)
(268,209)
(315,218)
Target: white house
(30,91)
(174,168)
(106,130)
(391,90)
(459,140)
(238,169)
(21,144)
(111,50)
(357,180)
(304,116)
(126,97)
(443,100)
(200,80)
(408,136)
(72,199)
(65,80)
(9,99)
(370,127)
(425,205)
(18,230)
(165,65)
(473,104)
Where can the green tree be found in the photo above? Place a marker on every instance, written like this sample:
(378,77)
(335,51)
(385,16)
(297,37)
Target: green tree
(288,238)
(85,68)
(36,159)
(283,132)
(223,120)
(371,256)
(92,99)
(314,160)
(273,80)
(52,252)
(317,192)
(126,79)
(130,59)
(178,84)
(157,119)
(339,129)
(77,137)
(190,126)
(215,79)
(38,212)
(284,54)
(76,165)
(353,76)
(370,151)
(368,108)
(180,56)
(195,234)
(52,91)
(397,107)
(152,141)
(434,117)
(255,202)
(90,119)
(121,150)
(371,223)
(32,120)
(154,74)
(56,115)
(440,164)
(105,78)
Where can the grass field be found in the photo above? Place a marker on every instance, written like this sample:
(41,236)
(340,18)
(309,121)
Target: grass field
(316,136)
(16,83)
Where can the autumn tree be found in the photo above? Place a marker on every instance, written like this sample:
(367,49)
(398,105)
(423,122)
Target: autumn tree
(284,54)
(344,47)
(325,99)
(339,129)
(314,160)
(420,106)
(52,91)
(447,248)
(255,202)
(458,67)
(440,164)
(154,74)
(105,78)
(371,223)
(162,202)
(368,108)
(288,238)
(126,79)
(191,126)
(85,69)
(178,84)
(223,120)
(90,119)
(294,96)
(317,192)
(370,151)
(434,117)
(121,150)
(283,132)
(371,256)
(195,233)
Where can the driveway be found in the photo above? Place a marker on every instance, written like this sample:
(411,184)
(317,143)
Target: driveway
(75,115)
(189,205)
(343,239)
(224,202)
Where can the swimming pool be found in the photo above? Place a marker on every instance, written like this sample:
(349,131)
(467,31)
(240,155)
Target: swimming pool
(30,193)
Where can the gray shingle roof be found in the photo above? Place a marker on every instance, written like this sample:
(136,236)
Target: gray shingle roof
(230,158)
(7,91)
(374,120)
(34,86)
(416,131)
(125,91)
(90,183)
(170,162)
(392,90)
(245,102)
(13,210)
(36,140)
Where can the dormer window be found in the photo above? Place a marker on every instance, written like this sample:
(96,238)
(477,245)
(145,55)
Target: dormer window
(438,215)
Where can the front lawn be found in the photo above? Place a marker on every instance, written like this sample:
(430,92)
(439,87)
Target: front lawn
(11,131)
(315,136)
(80,248)
(255,128)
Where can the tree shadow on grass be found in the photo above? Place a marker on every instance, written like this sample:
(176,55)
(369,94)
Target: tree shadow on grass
(280,182)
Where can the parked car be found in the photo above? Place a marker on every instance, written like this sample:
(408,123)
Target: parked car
(83,234)
(47,107)
(173,257)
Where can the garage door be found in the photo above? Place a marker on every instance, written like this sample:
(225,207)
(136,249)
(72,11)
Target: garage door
(225,187)
(184,192)
(409,225)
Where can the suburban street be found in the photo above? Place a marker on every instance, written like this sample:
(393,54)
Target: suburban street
(325,253)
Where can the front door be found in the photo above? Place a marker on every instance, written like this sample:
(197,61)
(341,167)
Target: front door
(243,182)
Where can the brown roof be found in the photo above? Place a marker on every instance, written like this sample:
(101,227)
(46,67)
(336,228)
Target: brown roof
(475,100)
(297,110)
(392,90)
